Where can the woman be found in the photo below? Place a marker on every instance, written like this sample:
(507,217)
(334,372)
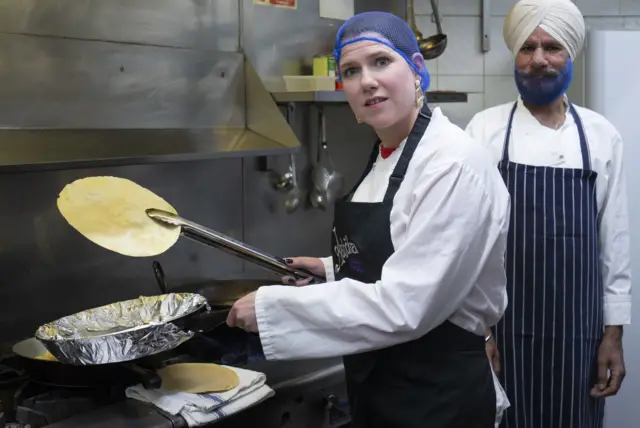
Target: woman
(416,273)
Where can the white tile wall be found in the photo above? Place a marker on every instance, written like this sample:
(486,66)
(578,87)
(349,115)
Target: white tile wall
(629,7)
(434,80)
(499,7)
(488,77)
(598,7)
(461,113)
(499,90)
(449,7)
(499,60)
(423,7)
(632,22)
(604,22)
(473,84)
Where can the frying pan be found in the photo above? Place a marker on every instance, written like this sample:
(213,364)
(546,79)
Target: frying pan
(133,372)
(220,297)
(138,371)
(141,370)
(59,374)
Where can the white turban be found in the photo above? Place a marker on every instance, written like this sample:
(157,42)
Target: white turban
(560,18)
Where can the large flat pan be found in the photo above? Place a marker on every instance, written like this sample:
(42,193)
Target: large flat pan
(58,374)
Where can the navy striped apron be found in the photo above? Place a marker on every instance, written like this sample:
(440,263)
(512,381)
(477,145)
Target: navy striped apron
(549,336)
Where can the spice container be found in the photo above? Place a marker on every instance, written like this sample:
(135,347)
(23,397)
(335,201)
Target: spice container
(324,65)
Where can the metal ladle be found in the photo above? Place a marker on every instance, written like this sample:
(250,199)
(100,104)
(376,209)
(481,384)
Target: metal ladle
(293,197)
(433,46)
(327,181)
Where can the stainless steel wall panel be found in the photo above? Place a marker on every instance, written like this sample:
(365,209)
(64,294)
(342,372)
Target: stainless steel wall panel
(58,83)
(47,269)
(196,24)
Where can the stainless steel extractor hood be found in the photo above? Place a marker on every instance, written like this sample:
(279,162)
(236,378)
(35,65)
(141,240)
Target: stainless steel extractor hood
(199,106)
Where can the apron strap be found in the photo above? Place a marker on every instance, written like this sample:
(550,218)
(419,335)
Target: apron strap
(507,137)
(584,147)
(419,128)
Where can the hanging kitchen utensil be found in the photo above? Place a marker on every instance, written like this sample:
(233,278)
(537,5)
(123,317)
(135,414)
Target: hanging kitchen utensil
(319,173)
(411,18)
(214,239)
(293,197)
(282,182)
(335,180)
(433,46)
(327,181)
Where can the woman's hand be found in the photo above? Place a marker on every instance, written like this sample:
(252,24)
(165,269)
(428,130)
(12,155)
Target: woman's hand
(243,314)
(311,264)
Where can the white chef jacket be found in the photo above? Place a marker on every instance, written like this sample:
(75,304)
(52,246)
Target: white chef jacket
(449,223)
(534,144)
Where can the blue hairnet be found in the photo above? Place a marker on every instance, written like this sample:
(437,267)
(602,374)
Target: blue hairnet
(397,33)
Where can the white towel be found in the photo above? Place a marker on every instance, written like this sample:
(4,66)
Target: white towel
(502,402)
(201,409)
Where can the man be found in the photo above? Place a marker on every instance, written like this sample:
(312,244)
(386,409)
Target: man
(568,252)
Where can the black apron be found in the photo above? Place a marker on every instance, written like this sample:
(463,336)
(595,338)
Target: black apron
(441,380)
(551,331)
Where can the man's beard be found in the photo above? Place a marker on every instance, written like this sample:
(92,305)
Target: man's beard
(542,87)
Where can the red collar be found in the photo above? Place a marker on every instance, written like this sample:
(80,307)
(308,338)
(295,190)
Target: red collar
(385,152)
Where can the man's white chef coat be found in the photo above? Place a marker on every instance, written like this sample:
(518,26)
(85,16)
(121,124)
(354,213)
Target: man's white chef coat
(449,224)
(534,144)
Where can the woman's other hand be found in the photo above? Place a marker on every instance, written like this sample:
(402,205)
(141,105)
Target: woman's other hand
(492,351)
(311,264)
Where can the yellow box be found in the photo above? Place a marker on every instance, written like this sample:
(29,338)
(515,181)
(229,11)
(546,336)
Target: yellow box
(320,65)
(309,83)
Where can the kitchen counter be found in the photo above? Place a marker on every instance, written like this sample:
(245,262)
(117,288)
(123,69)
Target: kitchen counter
(302,390)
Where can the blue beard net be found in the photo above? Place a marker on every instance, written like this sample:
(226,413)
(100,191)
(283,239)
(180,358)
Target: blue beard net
(395,34)
(544,90)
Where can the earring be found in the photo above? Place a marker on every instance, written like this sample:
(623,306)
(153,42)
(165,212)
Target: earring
(358,119)
(419,94)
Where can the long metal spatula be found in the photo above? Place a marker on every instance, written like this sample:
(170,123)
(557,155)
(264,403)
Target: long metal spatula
(214,239)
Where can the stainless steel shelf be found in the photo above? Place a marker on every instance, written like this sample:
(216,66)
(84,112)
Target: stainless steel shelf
(310,97)
(435,97)
(51,149)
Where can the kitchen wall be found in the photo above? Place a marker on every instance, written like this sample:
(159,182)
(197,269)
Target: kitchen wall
(47,270)
(488,76)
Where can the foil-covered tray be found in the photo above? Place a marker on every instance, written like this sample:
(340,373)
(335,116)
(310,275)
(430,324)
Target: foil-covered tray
(121,331)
